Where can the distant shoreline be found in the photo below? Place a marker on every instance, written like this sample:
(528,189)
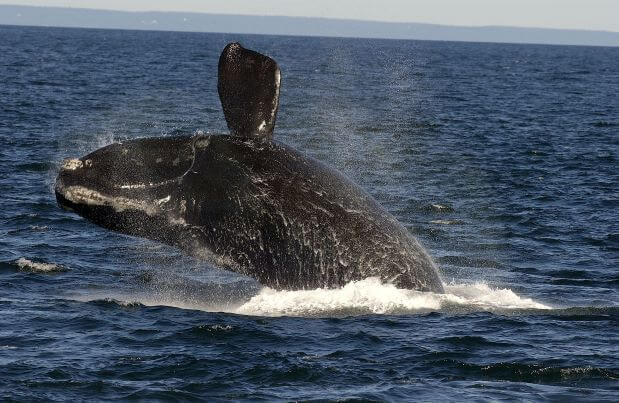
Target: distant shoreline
(294,26)
(300,36)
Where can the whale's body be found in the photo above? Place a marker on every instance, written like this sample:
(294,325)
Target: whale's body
(247,203)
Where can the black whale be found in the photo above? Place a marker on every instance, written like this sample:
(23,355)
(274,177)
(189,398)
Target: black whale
(245,202)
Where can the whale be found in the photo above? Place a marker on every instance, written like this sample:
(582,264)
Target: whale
(244,201)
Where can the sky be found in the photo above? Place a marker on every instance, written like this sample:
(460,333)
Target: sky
(569,14)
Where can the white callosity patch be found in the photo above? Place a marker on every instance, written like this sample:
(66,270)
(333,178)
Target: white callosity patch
(82,195)
(72,164)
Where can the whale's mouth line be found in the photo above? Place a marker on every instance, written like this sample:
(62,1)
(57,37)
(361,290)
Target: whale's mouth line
(80,195)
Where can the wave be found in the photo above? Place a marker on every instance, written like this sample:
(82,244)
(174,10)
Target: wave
(526,372)
(38,267)
(447,222)
(369,296)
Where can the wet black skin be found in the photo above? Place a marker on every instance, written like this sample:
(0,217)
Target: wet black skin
(248,86)
(246,202)
(256,207)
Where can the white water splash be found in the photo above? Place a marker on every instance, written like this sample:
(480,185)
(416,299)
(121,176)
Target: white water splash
(101,139)
(368,296)
(483,296)
(372,296)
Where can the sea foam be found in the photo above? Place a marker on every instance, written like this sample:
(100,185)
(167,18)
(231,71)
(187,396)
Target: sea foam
(372,296)
(368,296)
(39,267)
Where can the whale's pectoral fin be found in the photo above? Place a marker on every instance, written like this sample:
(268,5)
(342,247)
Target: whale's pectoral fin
(248,86)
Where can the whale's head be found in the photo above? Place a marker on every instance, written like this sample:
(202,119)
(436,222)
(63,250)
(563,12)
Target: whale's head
(129,187)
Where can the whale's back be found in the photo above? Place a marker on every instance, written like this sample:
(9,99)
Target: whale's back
(293,222)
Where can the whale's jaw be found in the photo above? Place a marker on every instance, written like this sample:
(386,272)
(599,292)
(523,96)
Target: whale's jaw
(129,187)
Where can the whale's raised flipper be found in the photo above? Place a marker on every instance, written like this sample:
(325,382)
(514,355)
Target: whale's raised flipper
(248,85)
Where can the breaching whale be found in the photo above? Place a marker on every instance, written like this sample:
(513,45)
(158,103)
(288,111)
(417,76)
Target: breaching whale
(244,201)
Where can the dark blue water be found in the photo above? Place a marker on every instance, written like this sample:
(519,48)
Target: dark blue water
(501,159)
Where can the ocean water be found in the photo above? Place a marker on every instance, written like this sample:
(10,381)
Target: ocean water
(500,159)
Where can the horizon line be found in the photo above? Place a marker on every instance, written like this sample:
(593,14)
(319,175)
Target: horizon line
(69,7)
